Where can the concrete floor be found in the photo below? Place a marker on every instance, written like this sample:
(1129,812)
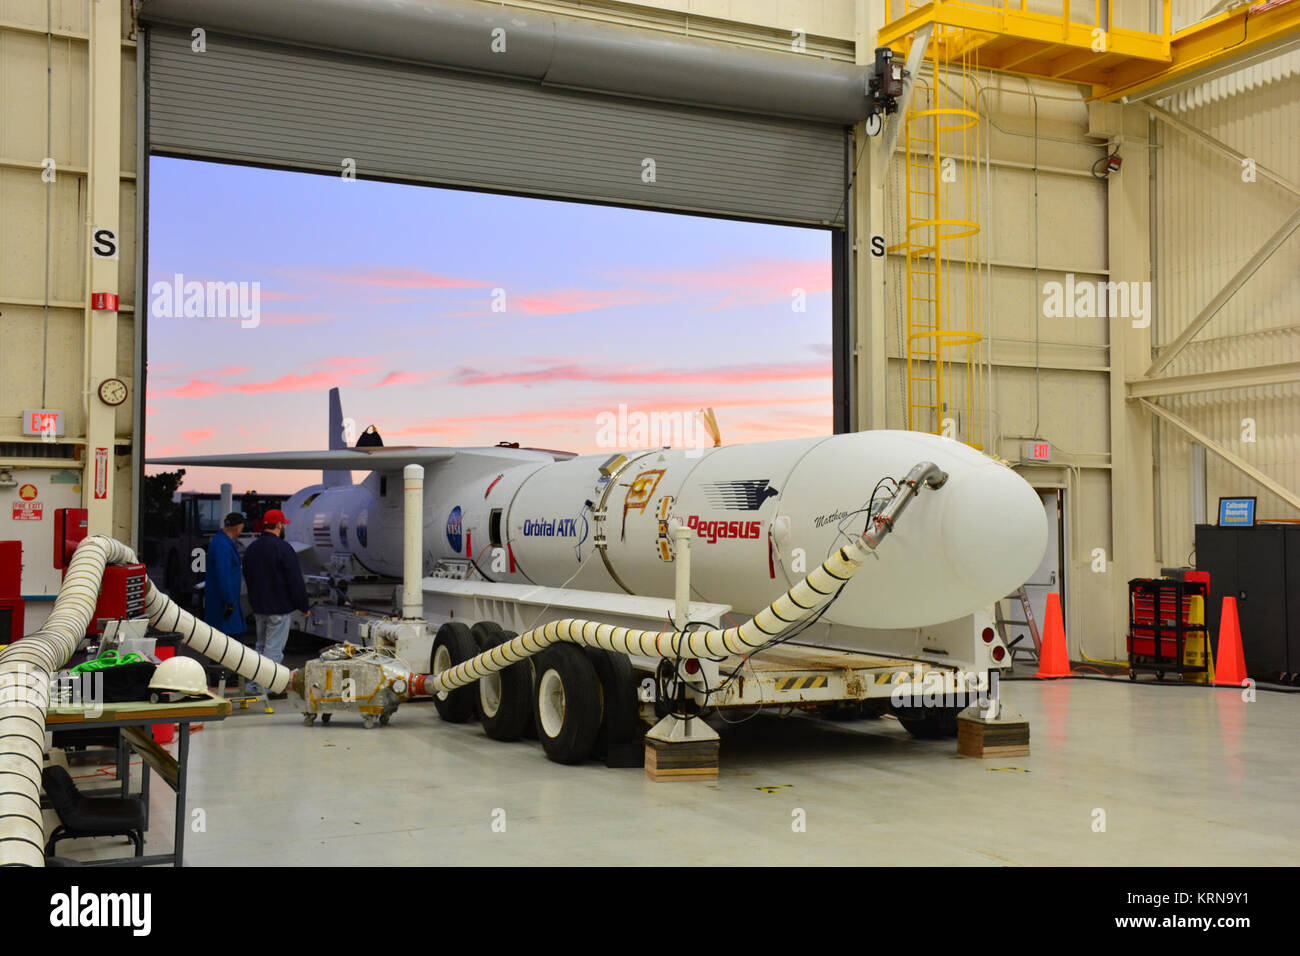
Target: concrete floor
(1184,775)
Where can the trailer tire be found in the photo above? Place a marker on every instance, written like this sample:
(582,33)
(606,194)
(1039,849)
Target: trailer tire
(618,742)
(505,699)
(530,729)
(453,645)
(567,703)
(928,723)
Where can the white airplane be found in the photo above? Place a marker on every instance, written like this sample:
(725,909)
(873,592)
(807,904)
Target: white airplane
(762,515)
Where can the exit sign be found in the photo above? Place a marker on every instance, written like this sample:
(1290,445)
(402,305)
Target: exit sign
(1036,450)
(42,422)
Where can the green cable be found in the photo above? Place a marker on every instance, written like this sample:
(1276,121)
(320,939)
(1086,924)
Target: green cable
(107,659)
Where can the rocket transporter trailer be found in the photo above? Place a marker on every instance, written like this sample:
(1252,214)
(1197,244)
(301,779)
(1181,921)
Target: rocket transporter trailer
(595,699)
(909,623)
(505,540)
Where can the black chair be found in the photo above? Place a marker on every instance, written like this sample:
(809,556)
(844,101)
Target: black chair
(83,816)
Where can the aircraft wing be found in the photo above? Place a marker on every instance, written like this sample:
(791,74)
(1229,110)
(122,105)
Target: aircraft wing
(340,459)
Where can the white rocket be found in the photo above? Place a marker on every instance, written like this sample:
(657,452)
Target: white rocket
(762,515)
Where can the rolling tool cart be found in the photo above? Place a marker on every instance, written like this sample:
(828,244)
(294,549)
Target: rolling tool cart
(1161,619)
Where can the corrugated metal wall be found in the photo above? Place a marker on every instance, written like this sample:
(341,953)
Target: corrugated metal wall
(1043,215)
(1208,221)
(35,123)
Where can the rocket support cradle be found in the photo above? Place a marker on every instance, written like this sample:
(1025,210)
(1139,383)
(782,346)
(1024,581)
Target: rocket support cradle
(800,602)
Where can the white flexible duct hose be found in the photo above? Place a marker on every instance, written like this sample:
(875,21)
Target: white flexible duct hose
(166,615)
(796,605)
(26,672)
(26,669)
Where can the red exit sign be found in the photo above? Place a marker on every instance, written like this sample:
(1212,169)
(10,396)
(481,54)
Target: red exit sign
(1036,450)
(42,422)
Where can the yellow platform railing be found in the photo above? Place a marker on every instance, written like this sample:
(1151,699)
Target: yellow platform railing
(1081,42)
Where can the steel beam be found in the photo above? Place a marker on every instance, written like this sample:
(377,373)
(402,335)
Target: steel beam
(1280,374)
(1218,146)
(103,189)
(1230,457)
(1252,265)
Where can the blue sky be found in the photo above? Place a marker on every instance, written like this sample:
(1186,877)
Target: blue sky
(388,291)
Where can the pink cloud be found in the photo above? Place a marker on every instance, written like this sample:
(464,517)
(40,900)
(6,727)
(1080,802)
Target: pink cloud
(402,278)
(193,436)
(587,415)
(303,318)
(750,282)
(566,301)
(337,370)
(400,378)
(720,375)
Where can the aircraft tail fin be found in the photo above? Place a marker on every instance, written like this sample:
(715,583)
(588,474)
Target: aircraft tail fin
(337,442)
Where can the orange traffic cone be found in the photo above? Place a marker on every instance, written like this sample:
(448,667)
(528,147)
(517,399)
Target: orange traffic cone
(1230,667)
(1053,660)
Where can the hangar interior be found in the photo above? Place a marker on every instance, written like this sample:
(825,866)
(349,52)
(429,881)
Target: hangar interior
(1068,242)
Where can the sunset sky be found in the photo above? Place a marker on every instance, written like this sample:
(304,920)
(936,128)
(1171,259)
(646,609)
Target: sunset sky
(387,291)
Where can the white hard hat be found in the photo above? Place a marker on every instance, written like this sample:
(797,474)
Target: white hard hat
(182,675)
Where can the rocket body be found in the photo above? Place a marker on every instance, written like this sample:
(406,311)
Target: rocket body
(761,517)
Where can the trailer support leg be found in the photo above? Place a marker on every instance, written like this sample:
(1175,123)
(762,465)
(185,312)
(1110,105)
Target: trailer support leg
(681,748)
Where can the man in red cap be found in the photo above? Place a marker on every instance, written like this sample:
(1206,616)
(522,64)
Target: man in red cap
(275,587)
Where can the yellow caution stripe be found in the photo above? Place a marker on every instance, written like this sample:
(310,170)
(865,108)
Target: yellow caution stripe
(801,683)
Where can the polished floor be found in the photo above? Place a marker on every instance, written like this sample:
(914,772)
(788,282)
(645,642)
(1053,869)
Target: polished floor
(1181,775)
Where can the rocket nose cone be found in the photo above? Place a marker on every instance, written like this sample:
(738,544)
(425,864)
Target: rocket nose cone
(994,529)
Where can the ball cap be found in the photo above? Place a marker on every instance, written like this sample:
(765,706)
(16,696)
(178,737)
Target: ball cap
(233,519)
(274,516)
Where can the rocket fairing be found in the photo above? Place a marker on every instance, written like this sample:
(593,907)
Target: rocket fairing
(762,515)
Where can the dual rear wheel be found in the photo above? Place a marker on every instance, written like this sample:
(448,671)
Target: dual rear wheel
(578,701)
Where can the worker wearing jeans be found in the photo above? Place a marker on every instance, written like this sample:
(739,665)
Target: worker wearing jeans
(275,587)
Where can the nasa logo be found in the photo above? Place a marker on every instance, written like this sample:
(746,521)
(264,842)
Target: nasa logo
(453,529)
(711,531)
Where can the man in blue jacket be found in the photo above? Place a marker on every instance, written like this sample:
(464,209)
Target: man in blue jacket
(275,587)
(221,587)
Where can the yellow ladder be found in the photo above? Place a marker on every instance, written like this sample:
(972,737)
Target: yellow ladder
(939,133)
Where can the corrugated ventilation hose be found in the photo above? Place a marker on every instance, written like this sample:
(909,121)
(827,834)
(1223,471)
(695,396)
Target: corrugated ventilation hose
(27,668)
(796,605)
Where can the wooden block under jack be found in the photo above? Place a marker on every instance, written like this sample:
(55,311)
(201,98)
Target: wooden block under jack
(694,760)
(1007,735)
(678,749)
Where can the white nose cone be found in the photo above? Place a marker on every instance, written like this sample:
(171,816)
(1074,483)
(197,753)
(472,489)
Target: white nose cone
(994,529)
(955,550)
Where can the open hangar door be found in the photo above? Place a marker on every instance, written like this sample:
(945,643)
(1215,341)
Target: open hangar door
(466,95)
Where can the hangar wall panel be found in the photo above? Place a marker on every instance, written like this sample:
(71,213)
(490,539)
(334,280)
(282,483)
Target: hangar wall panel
(1210,220)
(44,112)
(276,105)
(1043,217)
